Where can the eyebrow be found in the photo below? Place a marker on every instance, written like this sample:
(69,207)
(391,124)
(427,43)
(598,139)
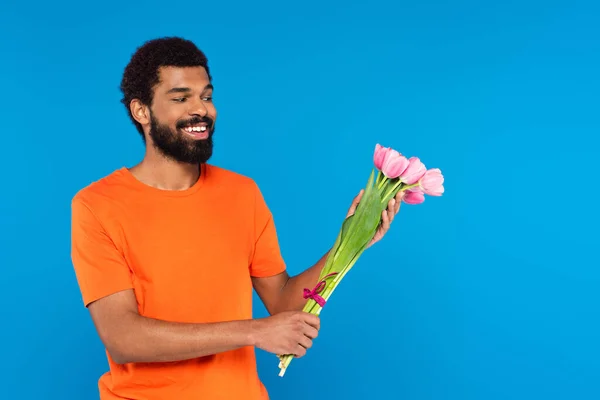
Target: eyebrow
(187,90)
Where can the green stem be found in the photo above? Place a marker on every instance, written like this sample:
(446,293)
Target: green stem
(379,174)
(338,278)
(332,254)
(392,192)
(380,183)
(340,246)
(314,308)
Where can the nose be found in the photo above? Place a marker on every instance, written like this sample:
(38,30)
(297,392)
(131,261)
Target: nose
(197,107)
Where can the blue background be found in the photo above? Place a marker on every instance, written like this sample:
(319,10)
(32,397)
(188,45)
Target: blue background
(490,292)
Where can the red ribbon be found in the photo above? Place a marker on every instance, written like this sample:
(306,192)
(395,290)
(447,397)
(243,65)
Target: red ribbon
(314,294)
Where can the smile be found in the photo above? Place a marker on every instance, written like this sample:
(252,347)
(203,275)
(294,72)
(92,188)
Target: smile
(191,129)
(198,131)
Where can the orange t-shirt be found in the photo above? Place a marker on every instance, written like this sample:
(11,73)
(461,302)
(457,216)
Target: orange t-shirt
(189,256)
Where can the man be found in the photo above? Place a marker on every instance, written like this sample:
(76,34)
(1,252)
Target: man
(167,252)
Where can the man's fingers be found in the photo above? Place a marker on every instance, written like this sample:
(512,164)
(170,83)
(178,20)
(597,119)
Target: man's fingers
(359,196)
(355,202)
(312,320)
(385,221)
(299,352)
(311,332)
(391,210)
(305,342)
(398,201)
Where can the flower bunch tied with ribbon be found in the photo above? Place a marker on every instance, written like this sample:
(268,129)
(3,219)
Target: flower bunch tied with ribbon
(392,173)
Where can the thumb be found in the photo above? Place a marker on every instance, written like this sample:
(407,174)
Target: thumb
(355,202)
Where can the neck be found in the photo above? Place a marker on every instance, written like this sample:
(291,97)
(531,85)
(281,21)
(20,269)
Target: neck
(162,173)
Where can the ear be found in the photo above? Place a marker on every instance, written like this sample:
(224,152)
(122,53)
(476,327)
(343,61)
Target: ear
(140,112)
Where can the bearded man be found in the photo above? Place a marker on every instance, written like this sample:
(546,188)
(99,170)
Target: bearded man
(167,252)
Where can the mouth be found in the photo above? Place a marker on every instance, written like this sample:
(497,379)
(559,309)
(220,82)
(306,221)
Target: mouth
(197,131)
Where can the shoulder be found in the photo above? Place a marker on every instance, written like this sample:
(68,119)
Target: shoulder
(101,191)
(236,185)
(231,179)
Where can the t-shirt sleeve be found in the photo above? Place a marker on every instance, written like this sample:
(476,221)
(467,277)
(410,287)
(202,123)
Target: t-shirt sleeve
(267,259)
(99,267)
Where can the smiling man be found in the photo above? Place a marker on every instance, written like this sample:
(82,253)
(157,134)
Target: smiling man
(168,252)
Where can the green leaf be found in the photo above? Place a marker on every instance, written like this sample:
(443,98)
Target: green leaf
(356,231)
(369,188)
(327,268)
(361,230)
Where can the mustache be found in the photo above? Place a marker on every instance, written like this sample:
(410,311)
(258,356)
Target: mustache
(196,120)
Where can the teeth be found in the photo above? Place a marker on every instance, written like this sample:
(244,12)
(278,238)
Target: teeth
(195,129)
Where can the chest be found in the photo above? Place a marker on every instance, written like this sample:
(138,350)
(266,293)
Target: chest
(186,253)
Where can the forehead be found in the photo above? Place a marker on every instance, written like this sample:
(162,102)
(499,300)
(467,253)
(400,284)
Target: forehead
(194,78)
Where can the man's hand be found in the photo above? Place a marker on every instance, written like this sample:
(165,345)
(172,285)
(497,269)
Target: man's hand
(290,332)
(282,292)
(386,217)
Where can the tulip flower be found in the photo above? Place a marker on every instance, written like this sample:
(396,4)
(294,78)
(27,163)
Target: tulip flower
(394,164)
(379,156)
(413,197)
(415,171)
(432,183)
(395,175)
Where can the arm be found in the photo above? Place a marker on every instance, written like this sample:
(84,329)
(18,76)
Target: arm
(129,337)
(284,293)
(105,282)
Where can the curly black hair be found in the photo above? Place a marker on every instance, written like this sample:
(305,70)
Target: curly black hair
(141,74)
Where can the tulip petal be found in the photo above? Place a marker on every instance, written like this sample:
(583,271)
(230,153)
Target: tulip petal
(415,171)
(413,197)
(432,182)
(379,155)
(394,164)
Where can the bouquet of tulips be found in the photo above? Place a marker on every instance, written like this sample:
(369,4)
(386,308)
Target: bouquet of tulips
(395,173)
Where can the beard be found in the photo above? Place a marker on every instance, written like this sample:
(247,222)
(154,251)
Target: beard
(176,146)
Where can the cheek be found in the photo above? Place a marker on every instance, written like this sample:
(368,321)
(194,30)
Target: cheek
(212,110)
(174,113)
(167,115)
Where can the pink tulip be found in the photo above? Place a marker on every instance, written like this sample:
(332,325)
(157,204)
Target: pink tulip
(432,183)
(379,156)
(415,171)
(394,164)
(413,197)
